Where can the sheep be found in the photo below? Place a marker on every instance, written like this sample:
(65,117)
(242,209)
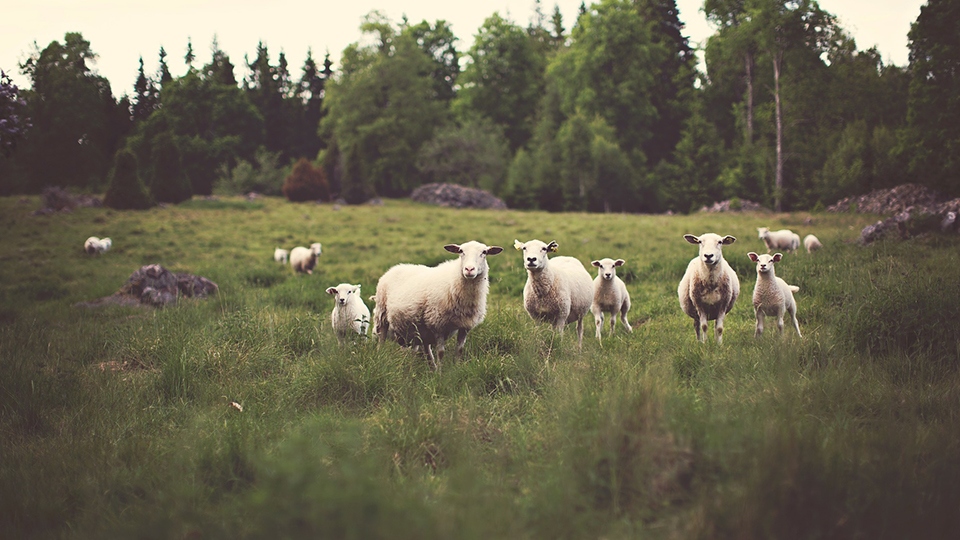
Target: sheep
(558,290)
(709,287)
(303,259)
(609,295)
(419,305)
(280,255)
(772,296)
(350,314)
(94,245)
(784,239)
(949,219)
(811,243)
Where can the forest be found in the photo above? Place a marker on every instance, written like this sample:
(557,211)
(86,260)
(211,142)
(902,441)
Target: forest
(607,113)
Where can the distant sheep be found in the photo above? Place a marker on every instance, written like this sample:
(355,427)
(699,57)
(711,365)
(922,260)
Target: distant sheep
(709,287)
(784,239)
(609,295)
(419,305)
(98,246)
(949,221)
(350,315)
(558,290)
(282,256)
(811,243)
(772,296)
(303,259)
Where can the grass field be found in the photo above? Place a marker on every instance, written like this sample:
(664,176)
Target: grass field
(117,422)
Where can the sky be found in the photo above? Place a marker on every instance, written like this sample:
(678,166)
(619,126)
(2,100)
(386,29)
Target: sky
(121,31)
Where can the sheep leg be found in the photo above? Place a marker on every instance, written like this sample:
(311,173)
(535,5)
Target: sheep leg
(702,329)
(580,333)
(440,349)
(623,318)
(430,358)
(780,323)
(598,318)
(696,328)
(793,315)
(461,340)
(613,322)
(718,328)
(759,324)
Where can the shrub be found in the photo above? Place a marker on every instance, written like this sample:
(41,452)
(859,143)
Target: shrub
(126,191)
(169,183)
(306,183)
(265,176)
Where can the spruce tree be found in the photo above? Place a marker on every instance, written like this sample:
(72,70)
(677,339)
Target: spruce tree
(126,190)
(169,183)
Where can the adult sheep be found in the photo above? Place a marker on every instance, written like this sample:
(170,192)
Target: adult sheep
(709,287)
(609,295)
(303,259)
(784,239)
(420,305)
(558,290)
(811,243)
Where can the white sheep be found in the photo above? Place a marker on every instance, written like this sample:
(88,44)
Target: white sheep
(280,255)
(709,286)
(948,221)
(772,296)
(784,239)
(420,305)
(350,315)
(558,290)
(811,243)
(609,295)
(94,245)
(303,259)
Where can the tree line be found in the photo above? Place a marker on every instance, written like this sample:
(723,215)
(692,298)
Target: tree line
(611,114)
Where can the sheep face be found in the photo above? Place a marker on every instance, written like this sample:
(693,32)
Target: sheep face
(473,257)
(765,261)
(762,231)
(535,253)
(316,249)
(608,267)
(280,255)
(711,246)
(344,292)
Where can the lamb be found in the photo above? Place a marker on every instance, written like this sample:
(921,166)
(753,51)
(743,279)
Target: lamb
(949,219)
(350,315)
(303,259)
(98,246)
(709,287)
(772,296)
(784,239)
(609,295)
(558,290)
(423,306)
(811,243)
(282,256)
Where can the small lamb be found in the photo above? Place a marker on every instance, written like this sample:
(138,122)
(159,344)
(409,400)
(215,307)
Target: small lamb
(558,290)
(350,315)
(784,239)
(949,220)
(280,255)
(709,287)
(97,246)
(772,296)
(303,259)
(609,295)
(811,243)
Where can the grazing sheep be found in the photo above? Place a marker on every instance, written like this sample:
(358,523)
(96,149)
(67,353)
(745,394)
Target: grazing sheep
(350,315)
(784,239)
(609,295)
(423,306)
(98,246)
(558,290)
(303,259)
(949,219)
(772,296)
(709,287)
(811,243)
(280,255)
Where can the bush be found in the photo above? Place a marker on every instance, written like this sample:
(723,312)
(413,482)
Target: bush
(126,190)
(264,177)
(170,183)
(306,183)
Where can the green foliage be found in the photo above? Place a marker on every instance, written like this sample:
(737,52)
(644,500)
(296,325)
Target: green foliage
(169,182)
(306,183)
(126,190)
(474,154)
(264,176)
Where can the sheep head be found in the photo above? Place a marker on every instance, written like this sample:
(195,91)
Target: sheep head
(535,253)
(608,267)
(343,292)
(473,257)
(765,261)
(711,246)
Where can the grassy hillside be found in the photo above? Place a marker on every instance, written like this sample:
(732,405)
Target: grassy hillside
(117,422)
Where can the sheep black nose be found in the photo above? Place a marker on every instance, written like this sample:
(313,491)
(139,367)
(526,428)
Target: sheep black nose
(531,259)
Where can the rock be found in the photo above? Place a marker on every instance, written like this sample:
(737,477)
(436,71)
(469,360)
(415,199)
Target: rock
(734,205)
(914,210)
(456,196)
(154,285)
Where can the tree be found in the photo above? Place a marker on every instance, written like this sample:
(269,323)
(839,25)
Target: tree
(263,88)
(306,183)
(145,96)
(163,73)
(439,44)
(220,69)
(126,190)
(475,154)
(169,182)
(13,120)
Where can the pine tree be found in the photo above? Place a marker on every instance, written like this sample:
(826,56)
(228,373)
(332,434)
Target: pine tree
(145,96)
(126,190)
(169,183)
(163,74)
(189,57)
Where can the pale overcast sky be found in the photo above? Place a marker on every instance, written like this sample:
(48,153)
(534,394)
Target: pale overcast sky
(120,31)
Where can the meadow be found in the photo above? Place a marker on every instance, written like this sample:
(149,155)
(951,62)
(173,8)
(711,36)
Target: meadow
(240,416)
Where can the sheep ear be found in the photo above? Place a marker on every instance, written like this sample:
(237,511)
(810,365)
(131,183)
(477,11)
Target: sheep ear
(728,240)
(331,290)
(453,248)
(691,238)
(596,263)
(619,262)
(357,289)
(518,245)
(553,246)
(493,250)
(753,256)
(777,257)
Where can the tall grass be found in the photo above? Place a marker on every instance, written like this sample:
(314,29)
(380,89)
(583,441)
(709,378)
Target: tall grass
(241,415)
